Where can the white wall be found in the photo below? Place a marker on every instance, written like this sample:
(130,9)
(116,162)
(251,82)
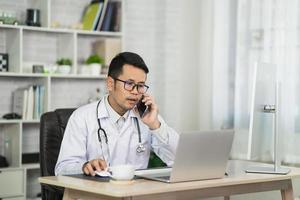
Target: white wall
(196,44)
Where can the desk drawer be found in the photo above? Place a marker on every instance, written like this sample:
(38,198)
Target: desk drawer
(11,182)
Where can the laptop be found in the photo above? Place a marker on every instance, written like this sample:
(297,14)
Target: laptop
(200,155)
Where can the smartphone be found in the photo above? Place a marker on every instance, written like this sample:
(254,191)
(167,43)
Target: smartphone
(142,108)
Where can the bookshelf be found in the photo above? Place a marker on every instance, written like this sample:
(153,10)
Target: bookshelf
(28,46)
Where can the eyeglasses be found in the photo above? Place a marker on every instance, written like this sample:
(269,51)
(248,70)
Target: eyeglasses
(130,85)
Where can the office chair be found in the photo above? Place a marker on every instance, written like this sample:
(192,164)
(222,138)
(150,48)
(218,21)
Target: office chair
(52,129)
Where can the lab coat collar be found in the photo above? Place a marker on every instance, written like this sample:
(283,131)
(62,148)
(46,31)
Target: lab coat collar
(103,111)
(132,114)
(113,115)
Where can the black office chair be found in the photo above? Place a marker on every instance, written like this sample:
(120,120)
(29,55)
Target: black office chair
(52,129)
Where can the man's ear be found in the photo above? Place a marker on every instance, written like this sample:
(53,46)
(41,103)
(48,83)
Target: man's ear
(109,83)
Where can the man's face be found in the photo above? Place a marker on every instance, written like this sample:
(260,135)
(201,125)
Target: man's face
(121,99)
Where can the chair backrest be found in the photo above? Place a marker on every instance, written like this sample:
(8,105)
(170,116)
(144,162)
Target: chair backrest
(52,129)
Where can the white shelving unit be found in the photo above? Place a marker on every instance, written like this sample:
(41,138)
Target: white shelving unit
(28,46)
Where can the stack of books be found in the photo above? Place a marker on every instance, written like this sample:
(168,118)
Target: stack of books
(29,102)
(102,15)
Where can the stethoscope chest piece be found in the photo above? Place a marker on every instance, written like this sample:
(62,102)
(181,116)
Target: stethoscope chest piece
(140,148)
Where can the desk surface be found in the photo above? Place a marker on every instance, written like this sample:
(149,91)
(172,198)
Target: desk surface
(235,170)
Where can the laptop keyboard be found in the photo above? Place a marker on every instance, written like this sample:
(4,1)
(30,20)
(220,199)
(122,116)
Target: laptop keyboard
(163,177)
(154,171)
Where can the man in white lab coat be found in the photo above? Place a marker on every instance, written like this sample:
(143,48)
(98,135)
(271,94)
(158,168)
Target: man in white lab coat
(112,132)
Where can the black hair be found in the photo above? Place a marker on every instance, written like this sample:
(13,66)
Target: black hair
(117,63)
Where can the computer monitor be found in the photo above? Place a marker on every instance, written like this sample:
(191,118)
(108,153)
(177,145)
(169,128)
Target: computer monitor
(260,142)
(264,119)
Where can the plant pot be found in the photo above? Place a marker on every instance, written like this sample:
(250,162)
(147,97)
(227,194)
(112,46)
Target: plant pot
(95,69)
(84,70)
(63,69)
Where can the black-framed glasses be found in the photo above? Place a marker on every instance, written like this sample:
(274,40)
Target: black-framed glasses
(130,85)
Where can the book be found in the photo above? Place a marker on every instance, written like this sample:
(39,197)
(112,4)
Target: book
(20,101)
(117,17)
(36,102)
(30,101)
(25,102)
(97,18)
(105,2)
(108,17)
(41,99)
(91,15)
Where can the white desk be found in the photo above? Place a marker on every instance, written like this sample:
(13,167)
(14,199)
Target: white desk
(237,182)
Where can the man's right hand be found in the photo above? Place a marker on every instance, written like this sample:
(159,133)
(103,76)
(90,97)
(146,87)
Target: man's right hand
(91,166)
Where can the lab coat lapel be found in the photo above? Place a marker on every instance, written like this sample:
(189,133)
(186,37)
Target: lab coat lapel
(125,133)
(116,136)
(109,128)
(113,137)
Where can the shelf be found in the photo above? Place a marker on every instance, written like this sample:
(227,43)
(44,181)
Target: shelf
(15,121)
(99,33)
(61,30)
(7,121)
(31,166)
(14,74)
(10,26)
(45,29)
(75,76)
(4,169)
(70,76)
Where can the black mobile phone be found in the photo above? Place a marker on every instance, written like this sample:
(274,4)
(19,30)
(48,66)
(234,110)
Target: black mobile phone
(142,108)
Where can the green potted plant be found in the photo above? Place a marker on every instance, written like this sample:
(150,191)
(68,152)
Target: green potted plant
(94,63)
(94,59)
(64,65)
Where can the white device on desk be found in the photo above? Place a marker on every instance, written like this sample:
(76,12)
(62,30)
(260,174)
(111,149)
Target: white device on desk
(200,155)
(103,173)
(265,118)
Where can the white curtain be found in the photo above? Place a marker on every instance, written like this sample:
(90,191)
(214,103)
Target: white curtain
(268,31)
(224,76)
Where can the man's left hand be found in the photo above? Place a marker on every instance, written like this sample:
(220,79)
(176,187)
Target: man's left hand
(150,118)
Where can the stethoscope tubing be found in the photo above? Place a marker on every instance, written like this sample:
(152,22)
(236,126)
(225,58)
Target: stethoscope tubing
(140,148)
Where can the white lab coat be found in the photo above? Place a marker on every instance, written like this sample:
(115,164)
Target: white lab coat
(80,142)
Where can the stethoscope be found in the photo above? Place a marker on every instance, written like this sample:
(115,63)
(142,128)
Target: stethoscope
(140,147)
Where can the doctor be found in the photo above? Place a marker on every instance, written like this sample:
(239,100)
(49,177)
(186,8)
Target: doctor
(111,132)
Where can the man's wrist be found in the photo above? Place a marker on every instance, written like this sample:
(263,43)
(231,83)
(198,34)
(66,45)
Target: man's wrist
(155,125)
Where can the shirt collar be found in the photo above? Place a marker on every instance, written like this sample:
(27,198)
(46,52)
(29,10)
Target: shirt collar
(108,111)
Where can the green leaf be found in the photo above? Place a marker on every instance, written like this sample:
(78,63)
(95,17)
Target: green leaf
(64,61)
(94,59)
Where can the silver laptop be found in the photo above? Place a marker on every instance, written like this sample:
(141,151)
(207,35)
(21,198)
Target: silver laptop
(200,155)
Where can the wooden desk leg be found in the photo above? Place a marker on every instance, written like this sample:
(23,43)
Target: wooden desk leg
(287,193)
(67,194)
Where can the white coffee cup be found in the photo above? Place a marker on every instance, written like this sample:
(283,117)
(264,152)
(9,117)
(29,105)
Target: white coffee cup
(122,172)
